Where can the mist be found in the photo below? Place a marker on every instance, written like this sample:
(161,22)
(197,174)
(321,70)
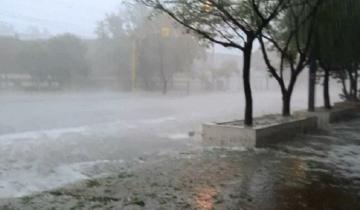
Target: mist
(89,89)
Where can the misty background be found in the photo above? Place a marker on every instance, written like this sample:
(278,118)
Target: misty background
(87,84)
(65,45)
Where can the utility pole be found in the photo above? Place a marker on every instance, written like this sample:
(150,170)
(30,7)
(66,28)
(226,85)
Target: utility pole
(164,33)
(133,65)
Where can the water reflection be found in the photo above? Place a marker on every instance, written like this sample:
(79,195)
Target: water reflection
(204,198)
(318,171)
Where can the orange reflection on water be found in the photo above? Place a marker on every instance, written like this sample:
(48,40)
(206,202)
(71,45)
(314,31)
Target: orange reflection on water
(204,198)
(299,167)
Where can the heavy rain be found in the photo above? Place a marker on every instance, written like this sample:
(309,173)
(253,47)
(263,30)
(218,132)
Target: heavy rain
(182,104)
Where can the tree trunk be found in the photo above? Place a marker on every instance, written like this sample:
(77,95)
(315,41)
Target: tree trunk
(327,103)
(312,82)
(345,90)
(247,86)
(353,84)
(287,94)
(188,88)
(286,104)
(356,84)
(165,84)
(162,69)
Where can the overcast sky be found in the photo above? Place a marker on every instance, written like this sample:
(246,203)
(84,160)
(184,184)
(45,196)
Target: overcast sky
(61,16)
(57,16)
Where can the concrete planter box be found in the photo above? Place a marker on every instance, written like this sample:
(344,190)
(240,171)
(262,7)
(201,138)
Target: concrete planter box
(327,117)
(233,134)
(348,104)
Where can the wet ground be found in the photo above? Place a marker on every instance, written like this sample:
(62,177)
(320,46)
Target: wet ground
(319,171)
(49,140)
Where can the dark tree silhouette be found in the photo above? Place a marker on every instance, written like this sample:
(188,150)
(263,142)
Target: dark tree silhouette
(232,24)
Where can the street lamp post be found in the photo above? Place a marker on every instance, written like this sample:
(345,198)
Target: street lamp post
(164,33)
(133,65)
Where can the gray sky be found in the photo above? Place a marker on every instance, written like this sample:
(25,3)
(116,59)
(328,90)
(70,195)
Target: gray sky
(57,16)
(60,16)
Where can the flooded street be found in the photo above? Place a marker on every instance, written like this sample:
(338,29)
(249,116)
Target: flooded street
(316,171)
(47,140)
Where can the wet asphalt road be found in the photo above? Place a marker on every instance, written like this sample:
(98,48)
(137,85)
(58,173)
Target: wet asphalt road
(49,140)
(317,171)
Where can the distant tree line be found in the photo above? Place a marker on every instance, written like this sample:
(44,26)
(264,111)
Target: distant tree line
(59,61)
(129,50)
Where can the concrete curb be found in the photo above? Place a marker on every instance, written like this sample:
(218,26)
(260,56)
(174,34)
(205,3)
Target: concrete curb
(233,134)
(228,135)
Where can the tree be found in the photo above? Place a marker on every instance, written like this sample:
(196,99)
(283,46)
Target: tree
(339,52)
(111,52)
(126,44)
(66,58)
(234,24)
(188,49)
(175,50)
(33,60)
(7,30)
(336,51)
(312,80)
(292,44)
(222,74)
(10,48)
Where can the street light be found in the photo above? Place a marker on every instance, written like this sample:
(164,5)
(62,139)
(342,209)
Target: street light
(207,6)
(165,32)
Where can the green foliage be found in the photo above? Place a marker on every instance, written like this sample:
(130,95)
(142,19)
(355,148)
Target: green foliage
(92,183)
(66,54)
(33,60)
(60,59)
(290,35)
(336,33)
(10,49)
(120,37)
(337,45)
(225,22)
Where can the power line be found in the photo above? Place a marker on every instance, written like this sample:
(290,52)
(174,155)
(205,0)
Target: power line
(45,23)
(35,19)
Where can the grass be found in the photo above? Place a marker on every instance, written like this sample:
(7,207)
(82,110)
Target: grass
(92,183)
